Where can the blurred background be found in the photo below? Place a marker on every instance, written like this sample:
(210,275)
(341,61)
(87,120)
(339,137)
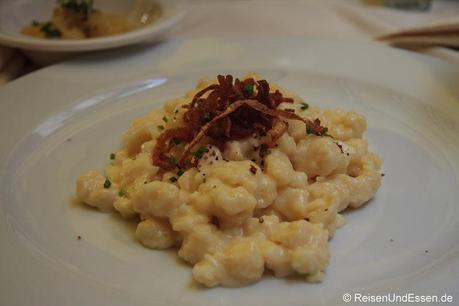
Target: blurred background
(427,26)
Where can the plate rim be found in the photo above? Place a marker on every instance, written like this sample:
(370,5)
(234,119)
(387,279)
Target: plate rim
(150,32)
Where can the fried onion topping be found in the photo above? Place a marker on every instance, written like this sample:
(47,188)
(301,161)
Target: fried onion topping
(229,110)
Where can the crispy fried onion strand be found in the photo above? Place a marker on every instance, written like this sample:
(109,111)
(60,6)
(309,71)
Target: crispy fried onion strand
(229,111)
(165,141)
(254,104)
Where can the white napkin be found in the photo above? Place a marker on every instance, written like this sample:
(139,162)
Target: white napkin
(440,33)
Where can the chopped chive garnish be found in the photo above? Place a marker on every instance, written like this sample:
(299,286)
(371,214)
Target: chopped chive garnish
(180,172)
(112,156)
(200,152)
(206,117)
(50,30)
(165,119)
(176,140)
(265,153)
(121,193)
(304,106)
(248,88)
(107,183)
(173,179)
(84,7)
(173,160)
(161,127)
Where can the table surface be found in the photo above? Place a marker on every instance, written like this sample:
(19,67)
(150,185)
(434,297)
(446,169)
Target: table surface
(350,20)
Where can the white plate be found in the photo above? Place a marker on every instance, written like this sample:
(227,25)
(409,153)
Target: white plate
(66,119)
(14,15)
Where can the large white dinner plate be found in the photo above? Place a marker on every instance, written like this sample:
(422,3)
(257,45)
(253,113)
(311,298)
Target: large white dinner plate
(14,15)
(66,119)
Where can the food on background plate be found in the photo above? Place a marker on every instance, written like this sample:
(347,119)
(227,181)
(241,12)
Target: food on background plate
(78,19)
(241,176)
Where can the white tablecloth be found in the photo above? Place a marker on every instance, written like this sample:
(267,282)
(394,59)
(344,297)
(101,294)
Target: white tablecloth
(329,19)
